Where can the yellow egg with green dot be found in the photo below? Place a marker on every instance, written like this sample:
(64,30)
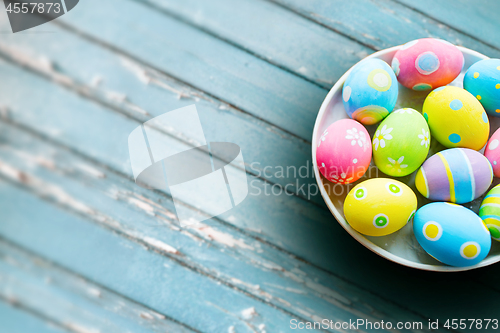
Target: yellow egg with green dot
(379,206)
(456,118)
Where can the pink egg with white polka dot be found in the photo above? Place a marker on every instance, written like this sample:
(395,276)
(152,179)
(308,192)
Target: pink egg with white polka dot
(344,151)
(492,152)
(427,63)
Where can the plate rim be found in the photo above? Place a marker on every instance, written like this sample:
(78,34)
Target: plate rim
(340,219)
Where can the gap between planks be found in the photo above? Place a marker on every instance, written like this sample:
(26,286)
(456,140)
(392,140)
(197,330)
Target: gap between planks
(178,18)
(298,13)
(125,54)
(373,47)
(95,285)
(272,245)
(150,247)
(463,32)
(168,254)
(330,29)
(34,313)
(84,93)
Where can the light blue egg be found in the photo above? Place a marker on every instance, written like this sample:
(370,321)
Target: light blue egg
(370,91)
(452,234)
(483,81)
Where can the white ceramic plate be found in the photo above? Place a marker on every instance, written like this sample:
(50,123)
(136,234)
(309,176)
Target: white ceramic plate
(402,246)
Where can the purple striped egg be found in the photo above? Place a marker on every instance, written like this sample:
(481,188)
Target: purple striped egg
(456,175)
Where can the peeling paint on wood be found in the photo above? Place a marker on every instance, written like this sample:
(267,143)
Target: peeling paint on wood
(70,302)
(245,268)
(83,200)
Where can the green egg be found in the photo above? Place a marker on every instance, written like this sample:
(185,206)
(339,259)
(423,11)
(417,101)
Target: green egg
(401,142)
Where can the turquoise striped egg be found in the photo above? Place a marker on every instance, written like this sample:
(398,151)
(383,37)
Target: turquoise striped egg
(457,175)
(452,234)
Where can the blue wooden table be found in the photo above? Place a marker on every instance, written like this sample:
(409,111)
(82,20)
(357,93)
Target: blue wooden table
(83,249)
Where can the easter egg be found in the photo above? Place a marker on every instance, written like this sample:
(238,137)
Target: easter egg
(370,91)
(492,152)
(427,63)
(456,118)
(379,206)
(457,175)
(401,142)
(490,212)
(344,151)
(483,81)
(452,234)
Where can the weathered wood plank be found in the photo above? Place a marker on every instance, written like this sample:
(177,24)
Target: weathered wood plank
(353,266)
(282,219)
(386,23)
(71,302)
(273,33)
(478,19)
(131,269)
(214,249)
(142,93)
(321,245)
(203,61)
(15,320)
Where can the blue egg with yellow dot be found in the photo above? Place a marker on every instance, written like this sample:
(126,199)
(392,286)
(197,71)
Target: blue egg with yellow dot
(452,234)
(482,80)
(370,91)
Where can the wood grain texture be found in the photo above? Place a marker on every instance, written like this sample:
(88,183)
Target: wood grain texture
(70,302)
(272,33)
(385,23)
(211,249)
(478,19)
(67,302)
(203,61)
(16,320)
(132,270)
(142,93)
(68,193)
(296,223)
(398,288)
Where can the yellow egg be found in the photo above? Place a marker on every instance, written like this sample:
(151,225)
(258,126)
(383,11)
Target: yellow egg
(456,118)
(379,206)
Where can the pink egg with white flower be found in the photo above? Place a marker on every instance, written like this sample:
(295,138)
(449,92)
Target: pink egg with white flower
(427,63)
(492,152)
(344,151)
